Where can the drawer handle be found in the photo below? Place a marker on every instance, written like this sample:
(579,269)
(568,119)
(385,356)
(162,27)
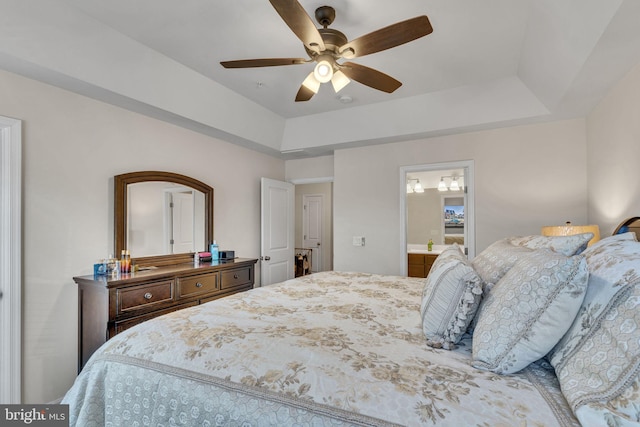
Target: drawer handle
(148,295)
(235,276)
(198,285)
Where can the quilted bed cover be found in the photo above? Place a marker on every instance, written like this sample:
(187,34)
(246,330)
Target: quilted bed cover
(331,348)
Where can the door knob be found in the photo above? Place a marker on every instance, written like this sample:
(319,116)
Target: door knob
(265,258)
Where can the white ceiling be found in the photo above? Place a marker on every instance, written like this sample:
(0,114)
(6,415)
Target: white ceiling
(487,64)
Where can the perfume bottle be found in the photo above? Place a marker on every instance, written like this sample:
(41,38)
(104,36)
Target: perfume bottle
(125,261)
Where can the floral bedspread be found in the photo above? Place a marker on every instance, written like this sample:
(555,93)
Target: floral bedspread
(325,349)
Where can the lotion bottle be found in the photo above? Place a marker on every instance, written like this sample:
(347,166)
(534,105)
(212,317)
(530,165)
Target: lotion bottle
(213,248)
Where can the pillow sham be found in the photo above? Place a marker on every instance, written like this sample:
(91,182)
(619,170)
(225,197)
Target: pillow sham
(566,245)
(450,298)
(600,379)
(597,362)
(613,263)
(528,311)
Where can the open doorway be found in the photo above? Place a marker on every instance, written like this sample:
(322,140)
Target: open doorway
(436,203)
(314,226)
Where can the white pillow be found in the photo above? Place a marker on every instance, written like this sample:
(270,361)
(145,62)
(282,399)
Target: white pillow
(450,298)
(528,311)
(566,245)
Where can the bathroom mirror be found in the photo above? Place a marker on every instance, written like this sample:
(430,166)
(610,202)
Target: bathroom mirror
(162,218)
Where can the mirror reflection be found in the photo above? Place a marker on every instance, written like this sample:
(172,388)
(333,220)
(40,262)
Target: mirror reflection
(164,218)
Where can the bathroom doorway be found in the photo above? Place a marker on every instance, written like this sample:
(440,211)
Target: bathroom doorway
(436,203)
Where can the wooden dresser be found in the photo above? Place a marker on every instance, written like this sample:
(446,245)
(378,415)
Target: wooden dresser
(108,306)
(420,264)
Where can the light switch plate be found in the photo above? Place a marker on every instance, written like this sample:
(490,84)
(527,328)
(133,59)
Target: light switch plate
(358,241)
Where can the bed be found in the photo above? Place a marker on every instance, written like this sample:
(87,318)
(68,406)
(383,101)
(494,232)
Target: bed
(357,349)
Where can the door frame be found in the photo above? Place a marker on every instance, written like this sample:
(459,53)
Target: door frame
(10,260)
(322,180)
(468,167)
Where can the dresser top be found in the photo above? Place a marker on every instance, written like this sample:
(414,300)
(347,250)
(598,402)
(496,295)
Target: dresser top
(152,273)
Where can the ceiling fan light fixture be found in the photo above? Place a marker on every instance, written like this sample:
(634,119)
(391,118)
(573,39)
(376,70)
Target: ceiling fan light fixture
(324,70)
(311,83)
(339,81)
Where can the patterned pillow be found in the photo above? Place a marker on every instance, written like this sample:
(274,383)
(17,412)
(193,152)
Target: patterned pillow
(492,263)
(600,379)
(450,298)
(566,245)
(597,361)
(613,262)
(528,311)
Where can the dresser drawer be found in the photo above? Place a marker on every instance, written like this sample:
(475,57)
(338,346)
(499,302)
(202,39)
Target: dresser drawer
(195,285)
(142,297)
(429,259)
(237,277)
(126,324)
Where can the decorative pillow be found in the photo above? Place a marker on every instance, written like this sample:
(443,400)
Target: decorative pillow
(450,298)
(613,262)
(492,263)
(597,360)
(601,378)
(528,311)
(566,245)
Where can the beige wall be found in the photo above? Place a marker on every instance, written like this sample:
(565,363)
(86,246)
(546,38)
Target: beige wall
(424,217)
(613,141)
(72,147)
(525,177)
(309,169)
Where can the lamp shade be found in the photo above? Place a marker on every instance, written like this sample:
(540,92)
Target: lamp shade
(569,229)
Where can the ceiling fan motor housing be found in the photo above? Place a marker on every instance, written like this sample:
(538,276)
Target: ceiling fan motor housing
(332,39)
(325,15)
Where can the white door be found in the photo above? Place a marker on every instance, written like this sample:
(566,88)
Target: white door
(182,222)
(277,224)
(312,228)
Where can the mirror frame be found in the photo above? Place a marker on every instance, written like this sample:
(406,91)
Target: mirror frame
(120,183)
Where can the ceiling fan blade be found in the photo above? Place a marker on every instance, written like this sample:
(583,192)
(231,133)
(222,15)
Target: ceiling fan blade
(300,23)
(370,77)
(388,37)
(304,94)
(266,62)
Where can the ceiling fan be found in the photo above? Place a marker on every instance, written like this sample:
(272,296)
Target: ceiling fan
(325,46)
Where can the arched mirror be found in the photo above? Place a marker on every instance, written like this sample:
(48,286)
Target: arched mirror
(162,218)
